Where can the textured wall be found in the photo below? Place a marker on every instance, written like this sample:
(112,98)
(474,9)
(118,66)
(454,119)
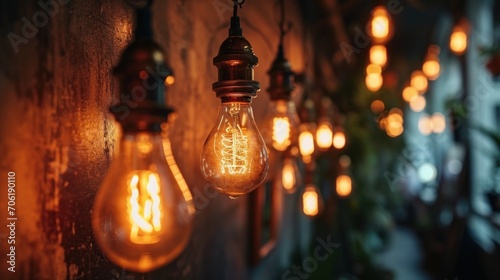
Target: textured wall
(58,138)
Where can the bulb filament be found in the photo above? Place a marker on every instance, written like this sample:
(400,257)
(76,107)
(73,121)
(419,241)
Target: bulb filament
(234,154)
(144,207)
(281,133)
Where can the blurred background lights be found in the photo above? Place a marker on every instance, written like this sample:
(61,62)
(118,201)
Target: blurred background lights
(339,139)
(427,173)
(343,185)
(374,81)
(377,106)
(432,124)
(417,104)
(454,166)
(378,55)
(419,81)
(409,93)
(458,40)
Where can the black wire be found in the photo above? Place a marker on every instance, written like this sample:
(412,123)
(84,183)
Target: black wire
(282,21)
(235,7)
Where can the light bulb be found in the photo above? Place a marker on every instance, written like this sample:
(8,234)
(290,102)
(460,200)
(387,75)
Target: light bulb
(431,68)
(234,157)
(141,217)
(339,139)
(409,93)
(380,24)
(306,142)
(374,81)
(290,175)
(343,185)
(419,81)
(311,201)
(458,40)
(281,125)
(378,55)
(324,135)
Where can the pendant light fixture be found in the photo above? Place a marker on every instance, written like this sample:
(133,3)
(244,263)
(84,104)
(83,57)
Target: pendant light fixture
(282,121)
(142,216)
(234,157)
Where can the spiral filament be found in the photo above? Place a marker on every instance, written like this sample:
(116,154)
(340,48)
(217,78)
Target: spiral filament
(281,133)
(144,207)
(234,143)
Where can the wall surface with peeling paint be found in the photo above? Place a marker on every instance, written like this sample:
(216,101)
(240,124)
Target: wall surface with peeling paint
(58,137)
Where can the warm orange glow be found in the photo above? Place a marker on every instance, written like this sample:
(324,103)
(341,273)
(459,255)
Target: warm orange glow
(144,209)
(169,156)
(170,80)
(394,129)
(324,135)
(393,123)
(380,24)
(306,143)
(373,69)
(345,161)
(409,93)
(419,81)
(458,40)
(377,106)
(374,81)
(395,116)
(378,55)
(431,68)
(343,185)
(418,104)
(288,176)
(281,133)
(310,201)
(339,139)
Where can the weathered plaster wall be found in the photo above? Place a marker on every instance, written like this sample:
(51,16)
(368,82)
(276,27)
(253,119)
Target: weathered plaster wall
(58,137)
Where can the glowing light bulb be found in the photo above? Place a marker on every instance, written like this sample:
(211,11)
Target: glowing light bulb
(339,139)
(306,142)
(234,158)
(418,104)
(290,175)
(378,55)
(142,219)
(311,201)
(324,135)
(425,125)
(431,68)
(343,185)
(377,106)
(458,40)
(409,93)
(380,24)
(438,123)
(281,125)
(374,81)
(419,81)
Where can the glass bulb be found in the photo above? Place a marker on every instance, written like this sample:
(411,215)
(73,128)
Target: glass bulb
(281,125)
(339,139)
(141,218)
(380,23)
(306,142)
(324,135)
(290,175)
(311,201)
(343,185)
(458,40)
(234,158)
